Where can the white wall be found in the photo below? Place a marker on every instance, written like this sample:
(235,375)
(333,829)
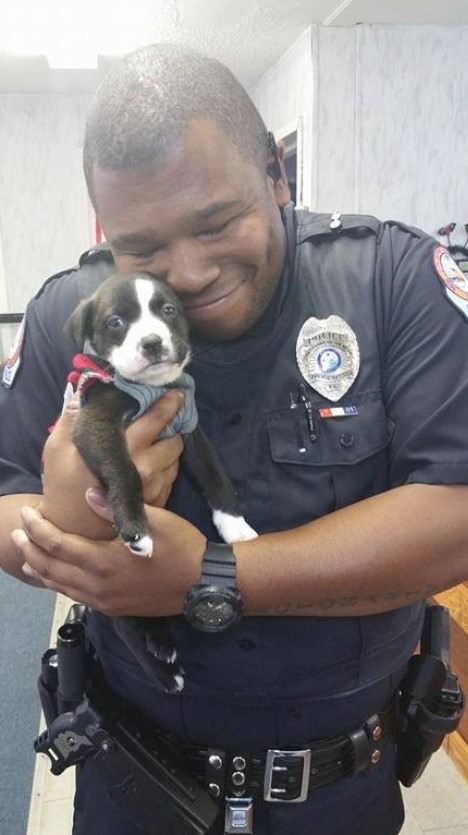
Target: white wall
(285,98)
(45,218)
(392,127)
(389,119)
(384,111)
(3,286)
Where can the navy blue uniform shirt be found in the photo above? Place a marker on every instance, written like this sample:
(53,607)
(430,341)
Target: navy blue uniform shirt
(281,681)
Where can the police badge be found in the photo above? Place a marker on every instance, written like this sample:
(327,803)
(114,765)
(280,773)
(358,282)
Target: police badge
(327,354)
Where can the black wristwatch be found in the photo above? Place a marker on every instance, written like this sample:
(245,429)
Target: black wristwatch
(214,603)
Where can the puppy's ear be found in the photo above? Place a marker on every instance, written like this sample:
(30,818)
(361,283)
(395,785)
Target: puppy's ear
(79,325)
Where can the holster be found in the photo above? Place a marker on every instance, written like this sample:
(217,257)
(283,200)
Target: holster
(139,764)
(431,701)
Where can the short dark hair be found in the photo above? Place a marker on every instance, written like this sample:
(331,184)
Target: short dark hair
(146,101)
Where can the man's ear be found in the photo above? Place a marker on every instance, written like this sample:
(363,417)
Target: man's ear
(277,173)
(79,324)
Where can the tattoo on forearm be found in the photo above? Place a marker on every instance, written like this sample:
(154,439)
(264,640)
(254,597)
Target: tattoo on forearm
(401,597)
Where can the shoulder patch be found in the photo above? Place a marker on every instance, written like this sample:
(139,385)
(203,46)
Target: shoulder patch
(454,280)
(13,362)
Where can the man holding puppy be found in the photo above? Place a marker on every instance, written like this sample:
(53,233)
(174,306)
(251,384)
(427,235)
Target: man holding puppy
(327,380)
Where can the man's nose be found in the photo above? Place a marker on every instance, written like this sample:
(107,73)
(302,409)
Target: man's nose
(191,270)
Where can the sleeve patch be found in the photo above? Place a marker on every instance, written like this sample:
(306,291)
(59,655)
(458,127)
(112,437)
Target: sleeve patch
(13,362)
(454,280)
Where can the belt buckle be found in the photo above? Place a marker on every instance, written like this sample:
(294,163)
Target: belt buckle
(286,776)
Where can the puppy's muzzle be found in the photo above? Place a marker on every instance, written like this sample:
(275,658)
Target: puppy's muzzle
(152,347)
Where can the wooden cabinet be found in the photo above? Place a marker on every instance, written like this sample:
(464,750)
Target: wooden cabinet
(456,600)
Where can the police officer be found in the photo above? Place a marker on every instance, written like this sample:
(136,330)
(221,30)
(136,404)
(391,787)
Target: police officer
(330,364)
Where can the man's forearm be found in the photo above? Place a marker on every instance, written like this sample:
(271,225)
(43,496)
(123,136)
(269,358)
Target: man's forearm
(10,506)
(376,555)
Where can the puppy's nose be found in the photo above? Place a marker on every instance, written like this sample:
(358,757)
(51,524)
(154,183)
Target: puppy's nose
(151,344)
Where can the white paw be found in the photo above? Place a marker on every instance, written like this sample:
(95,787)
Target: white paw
(164,654)
(179,682)
(142,546)
(67,396)
(232,528)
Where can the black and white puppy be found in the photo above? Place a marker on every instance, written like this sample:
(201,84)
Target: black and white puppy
(135,345)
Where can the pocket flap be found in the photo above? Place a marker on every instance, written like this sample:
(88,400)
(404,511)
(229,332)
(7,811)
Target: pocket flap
(340,440)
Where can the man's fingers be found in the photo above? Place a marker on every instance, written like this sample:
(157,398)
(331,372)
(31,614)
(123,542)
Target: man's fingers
(157,485)
(142,432)
(42,533)
(60,442)
(97,501)
(59,546)
(21,540)
(147,429)
(41,567)
(65,563)
(64,424)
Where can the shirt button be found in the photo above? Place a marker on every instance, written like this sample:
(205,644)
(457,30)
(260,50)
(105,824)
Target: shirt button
(294,712)
(235,419)
(346,440)
(246,644)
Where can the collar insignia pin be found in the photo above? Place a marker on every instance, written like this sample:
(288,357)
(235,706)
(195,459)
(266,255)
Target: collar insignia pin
(336,222)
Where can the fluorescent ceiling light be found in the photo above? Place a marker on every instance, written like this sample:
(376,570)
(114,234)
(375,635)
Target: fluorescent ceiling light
(71,33)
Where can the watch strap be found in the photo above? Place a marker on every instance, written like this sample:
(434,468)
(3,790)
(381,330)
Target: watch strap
(219,565)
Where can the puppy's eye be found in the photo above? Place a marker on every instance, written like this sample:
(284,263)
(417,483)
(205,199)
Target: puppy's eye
(169,310)
(115,323)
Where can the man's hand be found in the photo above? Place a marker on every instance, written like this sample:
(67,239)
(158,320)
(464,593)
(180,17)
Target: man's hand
(105,575)
(66,478)
(66,545)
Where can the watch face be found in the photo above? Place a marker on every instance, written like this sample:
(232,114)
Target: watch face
(212,609)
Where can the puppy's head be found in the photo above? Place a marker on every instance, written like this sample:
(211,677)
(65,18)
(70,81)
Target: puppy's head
(136,323)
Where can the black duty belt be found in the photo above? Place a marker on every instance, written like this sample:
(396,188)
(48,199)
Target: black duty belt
(289,775)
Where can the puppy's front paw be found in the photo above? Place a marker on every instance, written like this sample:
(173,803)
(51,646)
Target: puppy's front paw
(142,546)
(161,650)
(233,528)
(178,685)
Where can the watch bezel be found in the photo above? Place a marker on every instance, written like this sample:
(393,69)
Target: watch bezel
(200,593)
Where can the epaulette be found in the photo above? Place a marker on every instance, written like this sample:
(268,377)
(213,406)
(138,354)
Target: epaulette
(100,252)
(53,278)
(412,230)
(325,226)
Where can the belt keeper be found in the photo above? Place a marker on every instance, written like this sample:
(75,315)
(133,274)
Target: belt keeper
(215,772)
(237,775)
(364,741)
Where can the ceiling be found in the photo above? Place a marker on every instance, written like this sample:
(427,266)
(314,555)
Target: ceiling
(71,43)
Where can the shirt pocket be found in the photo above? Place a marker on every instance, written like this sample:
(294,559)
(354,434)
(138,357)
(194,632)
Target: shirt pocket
(341,461)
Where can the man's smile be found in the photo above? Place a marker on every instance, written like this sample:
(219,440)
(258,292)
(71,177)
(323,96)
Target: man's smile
(204,309)
(217,238)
